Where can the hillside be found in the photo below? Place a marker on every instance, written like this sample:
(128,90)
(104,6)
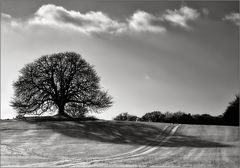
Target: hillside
(114,144)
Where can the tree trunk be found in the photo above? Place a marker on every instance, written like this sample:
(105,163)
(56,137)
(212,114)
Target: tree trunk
(61,111)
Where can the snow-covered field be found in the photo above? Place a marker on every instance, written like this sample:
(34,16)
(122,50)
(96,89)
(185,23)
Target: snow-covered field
(117,144)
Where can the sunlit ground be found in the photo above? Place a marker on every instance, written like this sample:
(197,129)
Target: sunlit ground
(114,144)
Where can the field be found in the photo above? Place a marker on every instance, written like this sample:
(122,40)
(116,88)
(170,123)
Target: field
(117,144)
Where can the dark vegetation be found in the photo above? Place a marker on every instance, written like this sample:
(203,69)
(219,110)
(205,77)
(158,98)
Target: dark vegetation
(55,118)
(229,117)
(126,117)
(62,82)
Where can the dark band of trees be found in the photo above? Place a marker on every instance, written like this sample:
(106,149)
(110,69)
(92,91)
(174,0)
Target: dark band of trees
(229,117)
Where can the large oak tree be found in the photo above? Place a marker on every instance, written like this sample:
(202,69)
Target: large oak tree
(64,82)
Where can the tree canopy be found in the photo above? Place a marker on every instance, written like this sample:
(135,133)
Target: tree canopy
(231,115)
(64,82)
(125,117)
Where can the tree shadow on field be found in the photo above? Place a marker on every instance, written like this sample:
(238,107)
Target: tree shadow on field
(120,132)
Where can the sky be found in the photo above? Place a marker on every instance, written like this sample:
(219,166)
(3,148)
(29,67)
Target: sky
(151,55)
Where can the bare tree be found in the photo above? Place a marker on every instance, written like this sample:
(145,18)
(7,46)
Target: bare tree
(63,82)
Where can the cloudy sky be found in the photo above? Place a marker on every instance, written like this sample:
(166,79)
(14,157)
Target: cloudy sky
(155,55)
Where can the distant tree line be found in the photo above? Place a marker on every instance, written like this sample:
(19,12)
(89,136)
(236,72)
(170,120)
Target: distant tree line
(229,117)
(126,117)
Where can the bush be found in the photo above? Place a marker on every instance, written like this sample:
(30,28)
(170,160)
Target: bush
(20,117)
(155,116)
(126,117)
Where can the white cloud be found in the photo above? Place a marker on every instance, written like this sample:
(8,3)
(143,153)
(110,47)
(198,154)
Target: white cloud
(182,16)
(233,17)
(143,21)
(6,18)
(86,23)
(99,22)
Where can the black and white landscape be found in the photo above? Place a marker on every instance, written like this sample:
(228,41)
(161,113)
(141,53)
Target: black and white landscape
(119,83)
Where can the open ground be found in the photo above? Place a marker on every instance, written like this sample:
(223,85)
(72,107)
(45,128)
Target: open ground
(117,144)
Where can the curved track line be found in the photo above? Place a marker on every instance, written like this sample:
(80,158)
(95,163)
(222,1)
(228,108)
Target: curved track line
(151,149)
(140,149)
(117,156)
(199,155)
(51,139)
(169,153)
(174,129)
(191,153)
(137,149)
(145,149)
(163,158)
